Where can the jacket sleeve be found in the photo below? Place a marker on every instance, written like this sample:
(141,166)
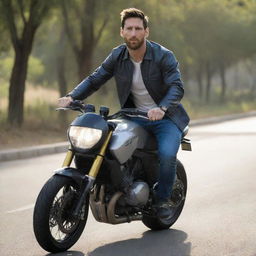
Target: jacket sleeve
(94,81)
(171,78)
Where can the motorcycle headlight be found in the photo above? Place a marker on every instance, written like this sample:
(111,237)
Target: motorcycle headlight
(84,137)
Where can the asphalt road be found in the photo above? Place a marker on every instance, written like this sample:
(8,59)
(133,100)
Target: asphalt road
(218,218)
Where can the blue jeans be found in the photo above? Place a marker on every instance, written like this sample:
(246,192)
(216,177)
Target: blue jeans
(168,137)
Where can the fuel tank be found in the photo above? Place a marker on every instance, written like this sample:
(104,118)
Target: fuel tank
(127,137)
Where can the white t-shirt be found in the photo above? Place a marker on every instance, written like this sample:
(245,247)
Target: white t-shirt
(141,98)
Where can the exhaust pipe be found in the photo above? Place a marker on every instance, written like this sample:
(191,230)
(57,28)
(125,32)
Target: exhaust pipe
(106,213)
(98,207)
(112,218)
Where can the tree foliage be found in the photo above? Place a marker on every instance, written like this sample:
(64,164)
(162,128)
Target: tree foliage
(209,38)
(84,23)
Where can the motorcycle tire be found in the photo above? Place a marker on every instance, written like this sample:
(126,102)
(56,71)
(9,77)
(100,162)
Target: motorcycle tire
(54,227)
(156,223)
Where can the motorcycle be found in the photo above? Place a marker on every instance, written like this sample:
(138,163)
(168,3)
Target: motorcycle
(115,175)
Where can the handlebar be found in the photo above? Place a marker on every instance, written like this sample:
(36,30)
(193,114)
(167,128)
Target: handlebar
(75,105)
(80,106)
(129,112)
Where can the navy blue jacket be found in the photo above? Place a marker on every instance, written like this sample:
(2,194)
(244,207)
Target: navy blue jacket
(160,74)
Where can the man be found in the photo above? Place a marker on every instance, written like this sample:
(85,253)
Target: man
(148,78)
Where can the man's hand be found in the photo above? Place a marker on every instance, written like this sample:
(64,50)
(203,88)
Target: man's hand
(155,114)
(64,102)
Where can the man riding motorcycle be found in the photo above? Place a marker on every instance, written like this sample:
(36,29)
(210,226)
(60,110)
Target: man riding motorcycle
(147,77)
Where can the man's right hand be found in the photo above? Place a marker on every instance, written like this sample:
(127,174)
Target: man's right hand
(64,101)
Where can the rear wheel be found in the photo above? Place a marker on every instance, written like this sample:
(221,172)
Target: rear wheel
(55,228)
(178,200)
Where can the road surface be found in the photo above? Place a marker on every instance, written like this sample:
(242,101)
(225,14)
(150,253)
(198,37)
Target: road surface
(219,217)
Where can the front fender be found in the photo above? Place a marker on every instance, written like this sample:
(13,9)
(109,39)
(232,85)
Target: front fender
(73,173)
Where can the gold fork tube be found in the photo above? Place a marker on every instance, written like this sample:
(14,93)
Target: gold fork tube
(99,158)
(68,159)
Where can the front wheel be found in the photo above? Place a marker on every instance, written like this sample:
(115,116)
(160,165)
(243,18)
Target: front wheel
(178,200)
(56,230)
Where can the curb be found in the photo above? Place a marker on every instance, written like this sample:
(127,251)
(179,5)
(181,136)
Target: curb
(34,151)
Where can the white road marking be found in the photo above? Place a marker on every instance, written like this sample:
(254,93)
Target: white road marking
(24,208)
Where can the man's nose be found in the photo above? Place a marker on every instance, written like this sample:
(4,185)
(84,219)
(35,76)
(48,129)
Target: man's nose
(133,32)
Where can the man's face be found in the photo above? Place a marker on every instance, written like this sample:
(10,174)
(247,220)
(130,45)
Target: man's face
(134,33)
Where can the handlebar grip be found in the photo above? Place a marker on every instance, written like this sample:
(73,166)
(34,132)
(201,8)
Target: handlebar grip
(76,103)
(142,113)
(132,111)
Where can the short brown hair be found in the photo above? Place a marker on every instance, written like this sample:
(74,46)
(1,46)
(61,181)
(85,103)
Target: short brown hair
(133,13)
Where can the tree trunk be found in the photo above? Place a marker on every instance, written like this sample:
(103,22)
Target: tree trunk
(17,86)
(200,84)
(84,63)
(22,43)
(223,83)
(186,78)
(208,83)
(83,46)
(62,82)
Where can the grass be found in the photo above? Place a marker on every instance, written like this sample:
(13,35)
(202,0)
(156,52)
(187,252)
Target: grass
(197,111)
(42,123)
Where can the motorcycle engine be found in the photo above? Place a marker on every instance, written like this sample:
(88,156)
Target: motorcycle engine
(137,194)
(136,191)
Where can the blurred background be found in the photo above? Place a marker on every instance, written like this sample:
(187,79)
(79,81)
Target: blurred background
(47,47)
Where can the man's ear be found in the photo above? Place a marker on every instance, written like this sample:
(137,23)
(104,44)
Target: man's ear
(121,32)
(147,32)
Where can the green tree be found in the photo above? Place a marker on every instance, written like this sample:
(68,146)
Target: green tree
(84,29)
(22,19)
(234,38)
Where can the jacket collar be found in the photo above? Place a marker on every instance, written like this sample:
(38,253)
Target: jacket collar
(147,56)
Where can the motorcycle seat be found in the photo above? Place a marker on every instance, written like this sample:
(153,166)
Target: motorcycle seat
(185,131)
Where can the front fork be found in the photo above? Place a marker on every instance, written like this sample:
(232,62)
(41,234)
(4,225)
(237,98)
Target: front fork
(89,179)
(68,159)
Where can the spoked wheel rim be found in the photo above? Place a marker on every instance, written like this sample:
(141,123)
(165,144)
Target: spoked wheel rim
(61,223)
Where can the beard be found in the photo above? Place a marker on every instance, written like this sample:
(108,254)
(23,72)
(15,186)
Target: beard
(134,43)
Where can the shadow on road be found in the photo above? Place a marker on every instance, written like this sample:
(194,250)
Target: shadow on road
(164,243)
(68,253)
